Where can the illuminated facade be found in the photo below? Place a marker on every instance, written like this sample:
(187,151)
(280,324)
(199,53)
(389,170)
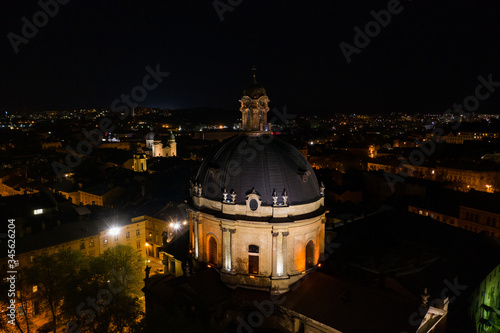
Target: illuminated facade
(471,219)
(259,221)
(254,108)
(155,148)
(463,179)
(78,236)
(461,137)
(485,303)
(139,161)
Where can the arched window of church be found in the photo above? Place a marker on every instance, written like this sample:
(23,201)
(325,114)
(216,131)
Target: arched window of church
(310,254)
(253,259)
(212,250)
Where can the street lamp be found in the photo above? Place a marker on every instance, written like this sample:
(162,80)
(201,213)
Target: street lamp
(114,231)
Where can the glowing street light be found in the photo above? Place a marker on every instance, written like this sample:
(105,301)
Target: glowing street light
(114,231)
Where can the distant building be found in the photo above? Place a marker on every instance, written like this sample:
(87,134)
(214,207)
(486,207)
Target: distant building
(100,195)
(156,148)
(461,137)
(471,219)
(464,179)
(139,161)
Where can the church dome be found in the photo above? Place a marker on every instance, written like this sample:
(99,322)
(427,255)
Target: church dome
(264,165)
(153,136)
(254,90)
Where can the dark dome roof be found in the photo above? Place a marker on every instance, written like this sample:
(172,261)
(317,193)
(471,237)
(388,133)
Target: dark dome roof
(265,163)
(153,136)
(254,90)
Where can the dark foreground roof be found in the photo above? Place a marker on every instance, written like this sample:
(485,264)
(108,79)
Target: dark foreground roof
(349,307)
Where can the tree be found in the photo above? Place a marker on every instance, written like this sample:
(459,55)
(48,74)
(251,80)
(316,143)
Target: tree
(24,297)
(50,273)
(105,295)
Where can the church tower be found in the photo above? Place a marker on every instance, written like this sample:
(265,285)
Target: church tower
(173,145)
(254,107)
(139,164)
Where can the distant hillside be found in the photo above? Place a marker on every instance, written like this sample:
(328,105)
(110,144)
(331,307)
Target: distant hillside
(202,115)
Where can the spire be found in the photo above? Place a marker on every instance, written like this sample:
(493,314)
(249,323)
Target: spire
(254,69)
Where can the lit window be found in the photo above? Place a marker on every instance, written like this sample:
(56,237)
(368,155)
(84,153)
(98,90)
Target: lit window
(38,211)
(91,243)
(105,241)
(35,289)
(253,259)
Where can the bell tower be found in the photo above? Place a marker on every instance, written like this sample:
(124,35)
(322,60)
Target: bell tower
(254,107)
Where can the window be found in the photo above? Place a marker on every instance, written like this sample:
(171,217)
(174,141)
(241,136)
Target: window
(116,238)
(493,222)
(488,220)
(35,288)
(138,244)
(38,211)
(32,259)
(477,218)
(254,205)
(212,251)
(310,254)
(82,246)
(466,215)
(105,241)
(127,235)
(137,232)
(253,259)
(91,243)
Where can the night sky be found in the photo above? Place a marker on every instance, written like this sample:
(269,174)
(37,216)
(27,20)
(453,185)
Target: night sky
(92,51)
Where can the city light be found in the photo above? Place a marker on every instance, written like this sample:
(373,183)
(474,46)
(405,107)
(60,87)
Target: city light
(114,231)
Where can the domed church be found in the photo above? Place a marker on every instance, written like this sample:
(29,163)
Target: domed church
(257,213)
